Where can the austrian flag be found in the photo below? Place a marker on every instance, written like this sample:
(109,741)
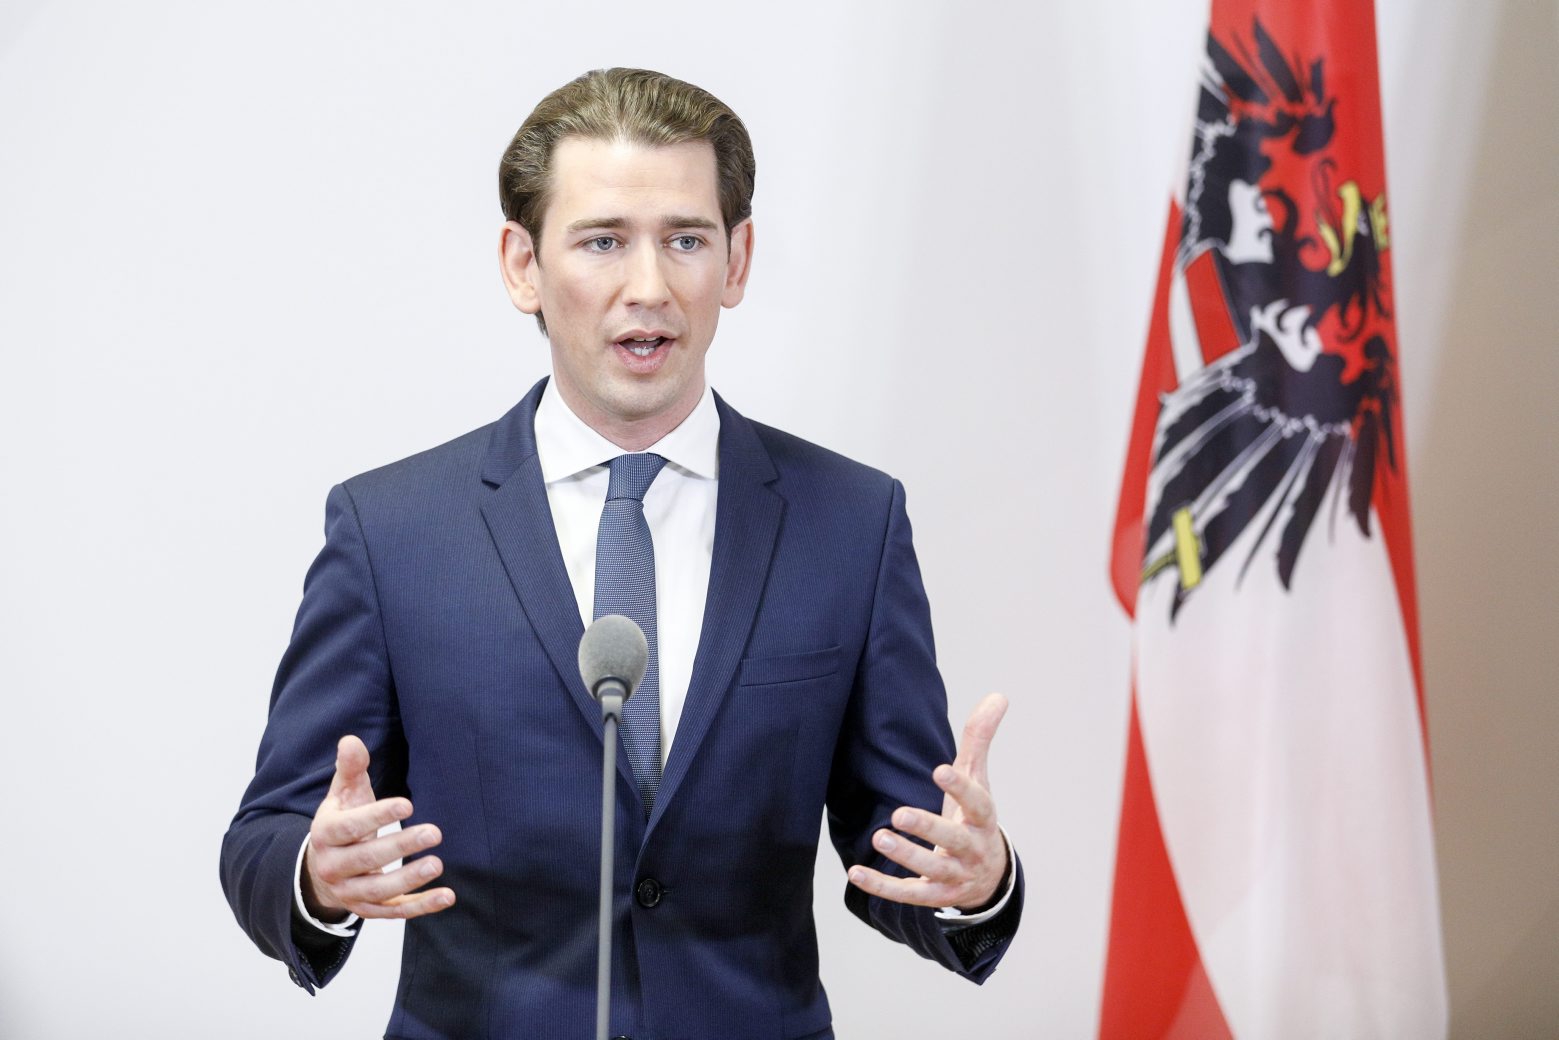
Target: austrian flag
(1275,872)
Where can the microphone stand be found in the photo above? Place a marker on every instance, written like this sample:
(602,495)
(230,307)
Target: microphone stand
(613,655)
(611,695)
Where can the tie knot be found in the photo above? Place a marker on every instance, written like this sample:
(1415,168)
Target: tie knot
(632,475)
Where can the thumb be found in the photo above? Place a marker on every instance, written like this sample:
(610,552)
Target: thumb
(350,786)
(975,747)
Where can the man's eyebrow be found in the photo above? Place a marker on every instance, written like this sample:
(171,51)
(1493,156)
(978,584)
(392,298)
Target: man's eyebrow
(696,223)
(618,223)
(591,223)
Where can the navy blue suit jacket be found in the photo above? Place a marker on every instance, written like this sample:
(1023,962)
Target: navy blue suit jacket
(439,625)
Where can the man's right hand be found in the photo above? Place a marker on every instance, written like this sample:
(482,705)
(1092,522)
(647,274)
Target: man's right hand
(343,866)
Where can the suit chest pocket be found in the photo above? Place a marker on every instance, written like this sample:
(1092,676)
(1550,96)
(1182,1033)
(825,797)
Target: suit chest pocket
(789,668)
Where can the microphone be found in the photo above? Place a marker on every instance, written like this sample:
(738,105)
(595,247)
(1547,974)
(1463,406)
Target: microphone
(613,656)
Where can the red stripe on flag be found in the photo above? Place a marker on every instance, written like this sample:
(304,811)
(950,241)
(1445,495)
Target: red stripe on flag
(1158,378)
(1210,308)
(1155,987)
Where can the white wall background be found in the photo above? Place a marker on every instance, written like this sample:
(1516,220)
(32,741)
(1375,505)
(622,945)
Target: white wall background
(249,250)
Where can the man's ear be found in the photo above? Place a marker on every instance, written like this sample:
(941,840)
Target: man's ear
(738,264)
(520,266)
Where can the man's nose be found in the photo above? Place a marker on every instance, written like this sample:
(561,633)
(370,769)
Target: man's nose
(646,278)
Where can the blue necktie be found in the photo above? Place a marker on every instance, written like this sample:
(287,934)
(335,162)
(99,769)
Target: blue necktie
(625,584)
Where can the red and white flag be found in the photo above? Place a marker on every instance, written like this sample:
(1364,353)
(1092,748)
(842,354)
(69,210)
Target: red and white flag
(1275,874)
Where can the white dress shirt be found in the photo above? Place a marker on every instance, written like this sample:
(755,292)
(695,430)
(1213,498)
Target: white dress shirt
(679,507)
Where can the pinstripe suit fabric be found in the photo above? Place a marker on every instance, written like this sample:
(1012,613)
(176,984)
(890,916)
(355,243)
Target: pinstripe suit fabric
(438,623)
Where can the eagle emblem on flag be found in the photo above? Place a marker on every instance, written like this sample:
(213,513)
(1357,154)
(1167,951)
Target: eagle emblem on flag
(1281,325)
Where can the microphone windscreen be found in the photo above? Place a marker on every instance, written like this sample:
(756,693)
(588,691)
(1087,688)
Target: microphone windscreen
(613,648)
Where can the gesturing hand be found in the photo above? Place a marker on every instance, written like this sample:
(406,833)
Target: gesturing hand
(970,857)
(343,867)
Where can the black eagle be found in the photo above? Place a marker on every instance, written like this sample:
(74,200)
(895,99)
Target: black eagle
(1266,431)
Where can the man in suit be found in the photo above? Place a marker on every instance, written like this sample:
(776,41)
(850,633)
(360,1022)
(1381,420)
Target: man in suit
(431,676)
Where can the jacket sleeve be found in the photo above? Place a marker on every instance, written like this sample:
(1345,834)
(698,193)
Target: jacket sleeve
(334,679)
(895,733)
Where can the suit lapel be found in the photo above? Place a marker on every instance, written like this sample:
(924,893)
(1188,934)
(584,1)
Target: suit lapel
(747,520)
(520,523)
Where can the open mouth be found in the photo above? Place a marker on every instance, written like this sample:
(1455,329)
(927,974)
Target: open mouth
(642,346)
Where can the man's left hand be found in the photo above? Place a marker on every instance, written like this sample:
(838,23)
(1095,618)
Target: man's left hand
(966,867)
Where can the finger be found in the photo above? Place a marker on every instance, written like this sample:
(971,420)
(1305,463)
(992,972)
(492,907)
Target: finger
(915,891)
(336,864)
(974,800)
(343,827)
(933,866)
(942,831)
(381,888)
(979,731)
(350,786)
(408,906)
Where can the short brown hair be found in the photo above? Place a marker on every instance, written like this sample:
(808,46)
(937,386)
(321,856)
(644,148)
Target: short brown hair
(635,105)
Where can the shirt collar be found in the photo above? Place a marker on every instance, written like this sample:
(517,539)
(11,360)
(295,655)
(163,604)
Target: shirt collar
(566,445)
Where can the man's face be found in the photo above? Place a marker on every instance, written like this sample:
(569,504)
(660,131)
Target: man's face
(632,270)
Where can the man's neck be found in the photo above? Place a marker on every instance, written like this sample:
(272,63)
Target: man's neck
(628,434)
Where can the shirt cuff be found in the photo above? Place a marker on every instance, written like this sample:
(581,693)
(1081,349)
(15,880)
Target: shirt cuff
(345,929)
(953,918)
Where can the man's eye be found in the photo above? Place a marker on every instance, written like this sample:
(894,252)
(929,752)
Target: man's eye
(601,244)
(686,243)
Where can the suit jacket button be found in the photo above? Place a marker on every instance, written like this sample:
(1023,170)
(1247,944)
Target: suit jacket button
(648,893)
